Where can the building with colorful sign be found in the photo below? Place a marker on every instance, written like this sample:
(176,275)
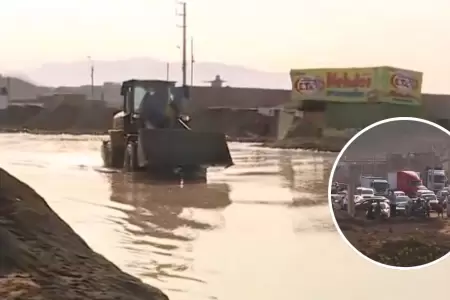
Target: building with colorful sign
(358,85)
(357,97)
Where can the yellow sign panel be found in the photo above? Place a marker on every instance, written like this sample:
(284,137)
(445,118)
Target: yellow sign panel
(378,84)
(400,86)
(343,85)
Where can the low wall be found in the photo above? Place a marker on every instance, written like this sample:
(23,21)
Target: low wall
(236,122)
(92,118)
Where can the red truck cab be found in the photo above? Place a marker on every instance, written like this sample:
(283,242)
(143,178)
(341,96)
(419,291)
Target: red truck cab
(407,181)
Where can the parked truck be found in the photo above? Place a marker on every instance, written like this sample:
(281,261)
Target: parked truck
(407,181)
(379,184)
(434,179)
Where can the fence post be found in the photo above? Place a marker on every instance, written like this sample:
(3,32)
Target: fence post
(351,189)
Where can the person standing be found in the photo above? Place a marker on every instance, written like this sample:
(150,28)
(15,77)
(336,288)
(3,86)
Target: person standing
(393,205)
(448,206)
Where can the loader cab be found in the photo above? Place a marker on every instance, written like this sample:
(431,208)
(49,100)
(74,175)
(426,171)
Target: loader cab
(145,100)
(134,91)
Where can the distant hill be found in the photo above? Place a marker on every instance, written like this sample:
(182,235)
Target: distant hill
(20,87)
(78,73)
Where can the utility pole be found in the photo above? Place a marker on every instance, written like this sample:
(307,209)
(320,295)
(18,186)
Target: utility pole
(167,71)
(184,52)
(192,61)
(92,76)
(8,90)
(351,190)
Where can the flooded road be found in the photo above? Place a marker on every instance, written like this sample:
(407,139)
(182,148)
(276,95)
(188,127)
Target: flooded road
(258,230)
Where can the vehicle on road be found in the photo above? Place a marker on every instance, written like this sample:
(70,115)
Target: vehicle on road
(434,179)
(394,194)
(408,182)
(431,199)
(375,207)
(418,207)
(379,185)
(401,203)
(152,133)
(442,194)
(363,193)
(365,203)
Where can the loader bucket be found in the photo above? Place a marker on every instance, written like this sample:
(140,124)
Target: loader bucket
(180,147)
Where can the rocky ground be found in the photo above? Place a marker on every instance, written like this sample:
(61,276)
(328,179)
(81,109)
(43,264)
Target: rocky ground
(42,258)
(398,242)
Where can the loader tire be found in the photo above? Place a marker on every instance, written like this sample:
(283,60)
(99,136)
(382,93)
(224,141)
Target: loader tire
(130,163)
(106,155)
(112,158)
(194,174)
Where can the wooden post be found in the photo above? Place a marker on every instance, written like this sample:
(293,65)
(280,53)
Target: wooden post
(351,189)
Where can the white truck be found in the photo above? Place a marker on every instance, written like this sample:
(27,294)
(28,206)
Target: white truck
(435,179)
(379,184)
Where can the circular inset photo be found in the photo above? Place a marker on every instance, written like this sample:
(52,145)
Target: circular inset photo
(389,192)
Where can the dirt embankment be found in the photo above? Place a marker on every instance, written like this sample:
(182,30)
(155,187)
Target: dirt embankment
(402,242)
(61,119)
(41,257)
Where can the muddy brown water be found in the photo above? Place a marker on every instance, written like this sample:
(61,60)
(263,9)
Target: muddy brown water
(259,230)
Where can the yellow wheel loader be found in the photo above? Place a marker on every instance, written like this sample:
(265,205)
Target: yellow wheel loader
(152,133)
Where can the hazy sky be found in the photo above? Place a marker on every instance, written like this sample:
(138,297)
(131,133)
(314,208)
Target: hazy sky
(268,35)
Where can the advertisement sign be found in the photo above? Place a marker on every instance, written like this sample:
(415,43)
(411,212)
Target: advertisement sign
(338,85)
(378,84)
(400,86)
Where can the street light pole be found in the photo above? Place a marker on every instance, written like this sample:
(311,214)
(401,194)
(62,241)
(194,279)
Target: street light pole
(91,63)
(192,61)
(184,52)
(167,71)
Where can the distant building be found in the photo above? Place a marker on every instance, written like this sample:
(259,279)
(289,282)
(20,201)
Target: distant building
(217,82)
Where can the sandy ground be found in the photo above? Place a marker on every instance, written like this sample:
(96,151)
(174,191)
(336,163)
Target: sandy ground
(398,241)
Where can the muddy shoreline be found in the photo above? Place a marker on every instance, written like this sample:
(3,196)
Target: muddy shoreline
(307,143)
(297,143)
(398,242)
(43,258)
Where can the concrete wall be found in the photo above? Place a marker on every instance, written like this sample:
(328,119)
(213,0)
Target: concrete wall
(203,97)
(3,102)
(437,106)
(359,115)
(70,100)
(285,121)
(236,122)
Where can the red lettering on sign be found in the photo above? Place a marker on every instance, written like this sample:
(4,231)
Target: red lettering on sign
(346,81)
